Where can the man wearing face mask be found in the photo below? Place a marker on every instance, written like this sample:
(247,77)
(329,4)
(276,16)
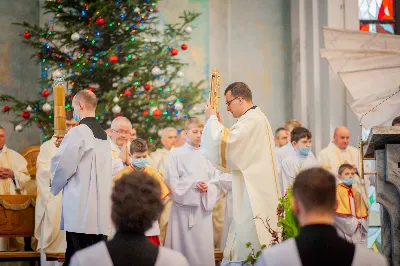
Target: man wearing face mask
(302,158)
(351,219)
(139,162)
(314,204)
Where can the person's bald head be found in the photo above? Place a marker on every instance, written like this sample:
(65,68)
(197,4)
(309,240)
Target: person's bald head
(121,130)
(341,137)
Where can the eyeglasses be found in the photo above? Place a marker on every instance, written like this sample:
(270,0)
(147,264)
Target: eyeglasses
(122,132)
(229,103)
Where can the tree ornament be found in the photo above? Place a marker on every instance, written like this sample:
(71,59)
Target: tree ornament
(161,106)
(157,113)
(180,74)
(137,74)
(184,46)
(127,93)
(116,109)
(174,51)
(113,59)
(100,21)
(188,30)
(27,35)
(90,89)
(75,36)
(19,128)
(152,109)
(116,99)
(46,107)
(28,108)
(156,71)
(25,114)
(178,106)
(45,93)
(136,10)
(115,84)
(147,87)
(6,108)
(145,113)
(57,74)
(160,132)
(108,122)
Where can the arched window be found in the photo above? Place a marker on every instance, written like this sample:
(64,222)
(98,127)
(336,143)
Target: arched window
(382,16)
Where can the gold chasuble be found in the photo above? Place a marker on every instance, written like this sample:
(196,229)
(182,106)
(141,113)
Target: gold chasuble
(151,172)
(343,194)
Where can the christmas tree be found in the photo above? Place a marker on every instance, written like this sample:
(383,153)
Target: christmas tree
(118,50)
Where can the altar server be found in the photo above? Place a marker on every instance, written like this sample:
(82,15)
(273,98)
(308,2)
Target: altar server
(194,186)
(48,207)
(351,219)
(82,168)
(13,178)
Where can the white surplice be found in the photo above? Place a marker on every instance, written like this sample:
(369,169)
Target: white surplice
(17,163)
(293,165)
(190,229)
(347,226)
(226,186)
(82,168)
(117,164)
(247,149)
(48,207)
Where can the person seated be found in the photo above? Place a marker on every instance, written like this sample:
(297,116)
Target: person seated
(136,204)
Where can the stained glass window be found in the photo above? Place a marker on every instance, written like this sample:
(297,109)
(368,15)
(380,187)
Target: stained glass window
(378,16)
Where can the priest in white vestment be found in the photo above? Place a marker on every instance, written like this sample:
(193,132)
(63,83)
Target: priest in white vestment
(159,162)
(194,187)
(82,170)
(247,149)
(301,160)
(48,207)
(121,129)
(226,186)
(13,178)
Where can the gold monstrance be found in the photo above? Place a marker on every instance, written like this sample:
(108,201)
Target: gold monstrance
(59,110)
(213,98)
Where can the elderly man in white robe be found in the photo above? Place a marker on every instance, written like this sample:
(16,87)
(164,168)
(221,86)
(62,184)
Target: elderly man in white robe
(159,162)
(194,187)
(247,150)
(121,129)
(82,169)
(301,160)
(13,178)
(48,207)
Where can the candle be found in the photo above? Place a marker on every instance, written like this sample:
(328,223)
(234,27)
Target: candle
(59,111)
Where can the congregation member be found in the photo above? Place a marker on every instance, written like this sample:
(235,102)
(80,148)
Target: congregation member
(13,178)
(82,170)
(136,205)
(300,160)
(288,149)
(351,219)
(281,137)
(247,149)
(314,204)
(396,122)
(48,207)
(120,141)
(194,186)
(138,157)
(181,139)
(133,134)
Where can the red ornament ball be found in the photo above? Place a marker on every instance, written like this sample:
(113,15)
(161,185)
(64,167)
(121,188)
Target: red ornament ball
(27,35)
(113,59)
(100,21)
(174,51)
(25,115)
(147,87)
(145,113)
(90,89)
(184,46)
(127,93)
(45,93)
(157,113)
(6,108)
(137,74)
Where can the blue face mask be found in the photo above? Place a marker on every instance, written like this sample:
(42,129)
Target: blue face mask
(348,181)
(304,151)
(76,117)
(139,162)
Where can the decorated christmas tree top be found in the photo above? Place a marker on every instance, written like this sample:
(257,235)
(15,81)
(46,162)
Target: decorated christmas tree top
(118,50)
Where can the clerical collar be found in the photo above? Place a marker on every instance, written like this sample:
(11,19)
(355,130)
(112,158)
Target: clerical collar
(251,108)
(87,119)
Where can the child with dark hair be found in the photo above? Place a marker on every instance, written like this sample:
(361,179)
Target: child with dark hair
(351,219)
(302,158)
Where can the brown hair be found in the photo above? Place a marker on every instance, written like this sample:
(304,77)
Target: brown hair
(315,188)
(396,121)
(193,121)
(87,97)
(240,89)
(289,125)
(300,132)
(138,145)
(136,202)
(344,167)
